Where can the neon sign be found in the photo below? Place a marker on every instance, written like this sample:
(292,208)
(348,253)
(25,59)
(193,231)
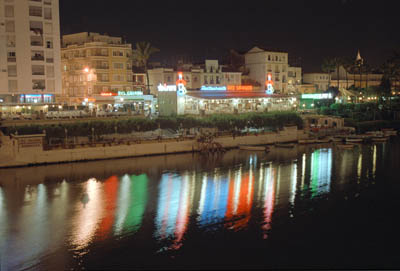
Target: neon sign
(166,87)
(317,96)
(108,94)
(270,83)
(181,84)
(240,88)
(213,88)
(130,93)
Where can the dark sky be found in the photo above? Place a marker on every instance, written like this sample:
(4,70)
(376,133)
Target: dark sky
(307,29)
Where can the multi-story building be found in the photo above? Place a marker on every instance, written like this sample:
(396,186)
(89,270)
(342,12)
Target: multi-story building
(294,79)
(210,74)
(260,62)
(93,64)
(319,79)
(29,51)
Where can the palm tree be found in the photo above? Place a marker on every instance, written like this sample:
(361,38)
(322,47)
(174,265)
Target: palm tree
(328,66)
(142,54)
(337,61)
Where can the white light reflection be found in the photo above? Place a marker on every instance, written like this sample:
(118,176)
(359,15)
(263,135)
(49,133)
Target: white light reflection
(359,167)
(293,181)
(374,162)
(89,212)
(236,195)
(123,204)
(303,171)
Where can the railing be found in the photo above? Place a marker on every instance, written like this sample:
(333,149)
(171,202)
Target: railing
(36,43)
(35,13)
(37,58)
(99,54)
(12,59)
(37,72)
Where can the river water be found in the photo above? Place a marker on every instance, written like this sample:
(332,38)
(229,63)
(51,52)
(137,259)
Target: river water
(307,207)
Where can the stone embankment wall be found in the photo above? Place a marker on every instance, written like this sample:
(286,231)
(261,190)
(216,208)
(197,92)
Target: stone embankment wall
(11,155)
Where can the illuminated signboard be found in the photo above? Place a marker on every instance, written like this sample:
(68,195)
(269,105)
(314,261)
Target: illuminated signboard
(213,88)
(130,93)
(1,100)
(108,94)
(166,87)
(239,88)
(317,96)
(181,84)
(270,89)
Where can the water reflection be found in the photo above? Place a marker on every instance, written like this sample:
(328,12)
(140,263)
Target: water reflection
(321,167)
(88,211)
(168,203)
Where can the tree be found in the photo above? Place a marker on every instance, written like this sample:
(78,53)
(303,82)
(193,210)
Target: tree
(337,61)
(328,66)
(142,54)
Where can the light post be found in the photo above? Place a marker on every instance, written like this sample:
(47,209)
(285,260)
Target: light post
(66,136)
(92,135)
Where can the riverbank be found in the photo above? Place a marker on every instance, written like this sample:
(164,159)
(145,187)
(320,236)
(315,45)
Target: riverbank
(27,151)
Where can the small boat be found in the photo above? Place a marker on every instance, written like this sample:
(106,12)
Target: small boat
(307,141)
(337,139)
(390,132)
(253,148)
(345,146)
(324,140)
(285,145)
(379,139)
(354,140)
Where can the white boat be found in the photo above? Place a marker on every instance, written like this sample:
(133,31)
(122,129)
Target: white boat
(253,148)
(337,139)
(307,141)
(379,139)
(390,133)
(345,146)
(324,140)
(354,140)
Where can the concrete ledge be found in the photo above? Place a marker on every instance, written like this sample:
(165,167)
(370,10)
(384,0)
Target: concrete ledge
(28,157)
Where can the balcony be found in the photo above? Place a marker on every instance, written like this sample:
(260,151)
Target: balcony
(35,12)
(11,59)
(37,58)
(100,54)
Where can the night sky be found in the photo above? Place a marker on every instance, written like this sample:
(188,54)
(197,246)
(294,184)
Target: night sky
(307,29)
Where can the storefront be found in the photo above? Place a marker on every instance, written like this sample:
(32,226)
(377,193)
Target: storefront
(125,101)
(315,100)
(222,100)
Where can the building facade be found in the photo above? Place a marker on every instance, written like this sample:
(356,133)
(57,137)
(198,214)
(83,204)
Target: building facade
(260,62)
(210,74)
(319,79)
(93,64)
(29,51)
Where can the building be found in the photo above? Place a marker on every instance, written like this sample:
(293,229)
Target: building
(29,53)
(319,79)
(208,75)
(93,64)
(294,80)
(261,61)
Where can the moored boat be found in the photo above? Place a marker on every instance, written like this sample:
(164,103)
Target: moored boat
(253,148)
(354,140)
(379,139)
(338,139)
(307,141)
(345,146)
(324,140)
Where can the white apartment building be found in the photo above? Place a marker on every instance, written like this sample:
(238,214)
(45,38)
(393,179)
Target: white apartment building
(294,79)
(210,74)
(319,79)
(260,62)
(29,51)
